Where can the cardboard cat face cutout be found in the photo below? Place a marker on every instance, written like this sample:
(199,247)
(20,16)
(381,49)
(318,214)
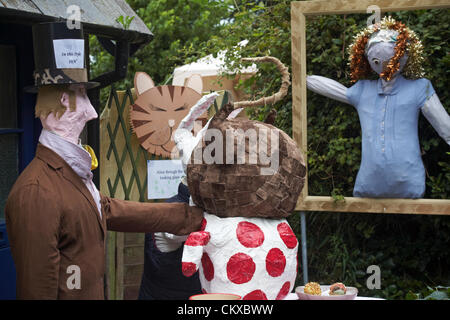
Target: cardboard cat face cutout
(158,111)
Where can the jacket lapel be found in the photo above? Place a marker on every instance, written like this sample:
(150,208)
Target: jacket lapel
(73,178)
(55,161)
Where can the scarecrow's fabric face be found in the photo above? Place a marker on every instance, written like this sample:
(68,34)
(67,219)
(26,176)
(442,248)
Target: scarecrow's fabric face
(72,122)
(380,53)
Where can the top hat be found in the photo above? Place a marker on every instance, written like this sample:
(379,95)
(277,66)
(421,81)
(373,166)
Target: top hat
(59,56)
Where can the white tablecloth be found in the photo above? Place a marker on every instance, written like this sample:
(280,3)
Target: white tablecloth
(293,296)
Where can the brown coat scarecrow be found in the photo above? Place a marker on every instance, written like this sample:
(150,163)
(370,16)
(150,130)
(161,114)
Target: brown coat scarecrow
(56,218)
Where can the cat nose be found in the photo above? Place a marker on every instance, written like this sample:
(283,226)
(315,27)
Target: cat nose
(171,122)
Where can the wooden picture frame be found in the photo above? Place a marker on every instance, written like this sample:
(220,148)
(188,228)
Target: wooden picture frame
(299,11)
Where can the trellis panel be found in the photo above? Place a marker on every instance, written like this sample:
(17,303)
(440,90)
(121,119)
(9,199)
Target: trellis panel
(123,175)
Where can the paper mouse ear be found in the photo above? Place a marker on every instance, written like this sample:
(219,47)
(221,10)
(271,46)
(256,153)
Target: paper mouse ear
(195,82)
(142,82)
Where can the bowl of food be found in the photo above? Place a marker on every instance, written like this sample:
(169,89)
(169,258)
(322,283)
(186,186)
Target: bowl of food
(336,291)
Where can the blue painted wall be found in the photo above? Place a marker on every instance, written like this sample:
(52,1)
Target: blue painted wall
(28,129)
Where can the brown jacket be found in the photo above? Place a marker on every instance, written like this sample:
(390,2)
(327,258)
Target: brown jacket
(53,224)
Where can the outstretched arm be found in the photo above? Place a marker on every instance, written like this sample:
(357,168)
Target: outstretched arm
(327,87)
(130,216)
(435,113)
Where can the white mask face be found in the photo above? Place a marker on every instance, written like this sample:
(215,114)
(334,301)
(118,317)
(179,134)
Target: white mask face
(71,123)
(379,55)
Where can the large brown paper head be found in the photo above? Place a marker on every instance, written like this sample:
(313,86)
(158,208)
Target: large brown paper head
(158,110)
(261,171)
(247,168)
(244,167)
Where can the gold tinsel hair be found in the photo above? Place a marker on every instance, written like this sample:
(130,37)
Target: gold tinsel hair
(407,42)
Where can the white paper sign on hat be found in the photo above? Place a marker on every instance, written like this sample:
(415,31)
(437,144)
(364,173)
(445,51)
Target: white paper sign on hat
(69,53)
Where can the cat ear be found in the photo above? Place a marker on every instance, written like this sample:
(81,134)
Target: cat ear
(195,82)
(142,82)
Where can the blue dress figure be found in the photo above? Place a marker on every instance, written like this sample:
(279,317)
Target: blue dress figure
(388,109)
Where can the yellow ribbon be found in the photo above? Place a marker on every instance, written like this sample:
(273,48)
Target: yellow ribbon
(94,164)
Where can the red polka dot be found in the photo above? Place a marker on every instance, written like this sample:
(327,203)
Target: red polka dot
(204,291)
(275,262)
(255,295)
(284,291)
(203,225)
(240,268)
(188,268)
(208,267)
(249,234)
(287,235)
(199,238)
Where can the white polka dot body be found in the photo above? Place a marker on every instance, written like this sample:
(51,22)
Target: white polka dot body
(255,258)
